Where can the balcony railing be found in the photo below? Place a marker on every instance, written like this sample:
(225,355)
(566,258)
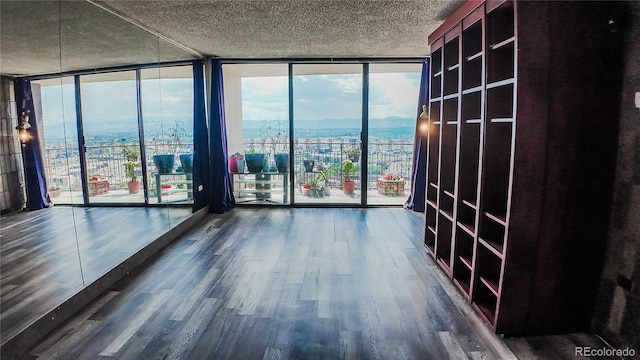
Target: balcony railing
(106,161)
(391,156)
(62,163)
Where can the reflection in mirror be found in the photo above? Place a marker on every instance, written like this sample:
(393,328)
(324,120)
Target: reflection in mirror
(101,111)
(111,139)
(56,108)
(39,257)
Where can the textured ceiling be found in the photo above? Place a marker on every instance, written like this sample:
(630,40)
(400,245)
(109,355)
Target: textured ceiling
(292,28)
(44,37)
(41,37)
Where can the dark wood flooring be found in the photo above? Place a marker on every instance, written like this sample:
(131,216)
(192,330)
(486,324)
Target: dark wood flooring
(283,284)
(42,253)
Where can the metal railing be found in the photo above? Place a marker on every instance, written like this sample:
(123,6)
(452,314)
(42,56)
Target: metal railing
(104,161)
(107,161)
(390,156)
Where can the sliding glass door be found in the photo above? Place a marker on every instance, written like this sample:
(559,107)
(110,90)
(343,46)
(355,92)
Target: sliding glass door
(393,96)
(111,137)
(327,124)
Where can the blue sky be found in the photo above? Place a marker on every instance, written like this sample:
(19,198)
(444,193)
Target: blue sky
(318,97)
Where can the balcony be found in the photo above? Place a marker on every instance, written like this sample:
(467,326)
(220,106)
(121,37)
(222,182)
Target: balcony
(107,162)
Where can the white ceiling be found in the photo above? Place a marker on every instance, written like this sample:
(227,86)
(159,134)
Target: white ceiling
(39,37)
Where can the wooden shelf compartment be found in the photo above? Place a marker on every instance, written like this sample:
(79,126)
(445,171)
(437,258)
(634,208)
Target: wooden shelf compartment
(488,267)
(452,64)
(462,277)
(492,246)
(444,240)
(484,303)
(500,23)
(466,217)
(500,62)
(500,102)
(446,204)
(436,73)
(471,106)
(496,169)
(450,83)
(448,146)
(464,248)
(431,215)
(430,242)
(430,223)
(472,40)
(473,56)
(492,233)
(469,159)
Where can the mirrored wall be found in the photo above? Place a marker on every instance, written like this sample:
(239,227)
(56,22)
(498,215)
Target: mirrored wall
(107,105)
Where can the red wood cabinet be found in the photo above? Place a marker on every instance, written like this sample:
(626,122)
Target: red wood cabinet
(521,155)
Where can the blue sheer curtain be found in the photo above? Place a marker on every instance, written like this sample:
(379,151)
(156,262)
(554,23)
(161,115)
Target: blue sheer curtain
(416,200)
(220,193)
(200,139)
(36,183)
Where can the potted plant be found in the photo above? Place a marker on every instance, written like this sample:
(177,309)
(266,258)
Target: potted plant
(131,152)
(275,135)
(348,186)
(130,171)
(235,162)
(314,185)
(54,191)
(255,161)
(353,154)
(308,165)
(167,142)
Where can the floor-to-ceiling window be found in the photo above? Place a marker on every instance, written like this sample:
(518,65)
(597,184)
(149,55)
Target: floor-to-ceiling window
(393,97)
(54,101)
(327,121)
(257,119)
(111,139)
(112,165)
(324,105)
(167,113)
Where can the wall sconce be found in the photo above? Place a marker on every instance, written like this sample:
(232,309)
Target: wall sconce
(424,119)
(22,128)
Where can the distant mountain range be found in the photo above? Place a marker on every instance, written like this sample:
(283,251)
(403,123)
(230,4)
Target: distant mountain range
(128,129)
(347,123)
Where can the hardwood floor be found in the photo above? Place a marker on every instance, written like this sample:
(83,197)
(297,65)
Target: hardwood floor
(283,284)
(42,253)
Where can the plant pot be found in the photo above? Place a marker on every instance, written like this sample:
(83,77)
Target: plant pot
(55,192)
(308,165)
(282,162)
(186,160)
(349,187)
(305,190)
(233,164)
(164,163)
(320,193)
(255,162)
(313,193)
(134,187)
